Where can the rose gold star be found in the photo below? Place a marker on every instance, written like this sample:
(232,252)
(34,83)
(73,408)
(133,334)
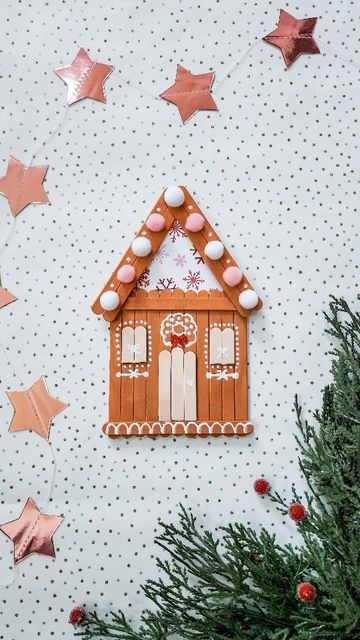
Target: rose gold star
(191,93)
(293,36)
(32,532)
(34,409)
(6,297)
(23,185)
(85,78)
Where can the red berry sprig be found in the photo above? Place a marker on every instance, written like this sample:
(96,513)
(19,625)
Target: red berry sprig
(77,616)
(297,512)
(261,486)
(306,592)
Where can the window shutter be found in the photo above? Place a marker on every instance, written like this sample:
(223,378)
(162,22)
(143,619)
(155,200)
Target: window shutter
(228,342)
(127,339)
(215,345)
(222,346)
(140,344)
(134,344)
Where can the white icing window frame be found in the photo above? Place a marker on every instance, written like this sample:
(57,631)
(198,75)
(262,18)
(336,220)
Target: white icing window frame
(139,363)
(222,370)
(222,346)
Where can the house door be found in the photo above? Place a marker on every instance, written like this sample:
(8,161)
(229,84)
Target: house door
(177,385)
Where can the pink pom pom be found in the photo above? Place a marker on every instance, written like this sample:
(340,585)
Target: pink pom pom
(155,222)
(232,276)
(126,273)
(195,222)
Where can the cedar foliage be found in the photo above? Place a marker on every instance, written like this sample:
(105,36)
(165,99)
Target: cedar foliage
(244,586)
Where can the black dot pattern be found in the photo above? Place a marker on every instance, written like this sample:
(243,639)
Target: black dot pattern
(275,170)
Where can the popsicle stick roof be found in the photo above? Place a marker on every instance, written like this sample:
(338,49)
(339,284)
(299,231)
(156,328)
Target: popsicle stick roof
(175,203)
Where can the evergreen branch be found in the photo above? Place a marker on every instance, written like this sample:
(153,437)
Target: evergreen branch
(243,585)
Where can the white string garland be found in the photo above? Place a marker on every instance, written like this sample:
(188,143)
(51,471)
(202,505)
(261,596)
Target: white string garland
(5,243)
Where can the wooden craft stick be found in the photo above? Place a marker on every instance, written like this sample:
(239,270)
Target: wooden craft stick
(114,382)
(215,383)
(140,339)
(177,384)
(127,383)
(202,347)
(215,345)
(228,383)
(190,385)
(164,385)
(228,342)
(127,344)
(241,384)
(152,403)
(217,267)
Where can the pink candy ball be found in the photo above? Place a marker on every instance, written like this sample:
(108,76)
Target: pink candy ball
(195,222)
(232,276)
(155,222)
(126,273)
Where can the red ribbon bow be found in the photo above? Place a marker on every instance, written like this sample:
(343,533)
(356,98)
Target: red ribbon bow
(178,340)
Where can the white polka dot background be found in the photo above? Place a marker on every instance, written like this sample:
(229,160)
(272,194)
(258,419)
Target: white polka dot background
(275,170)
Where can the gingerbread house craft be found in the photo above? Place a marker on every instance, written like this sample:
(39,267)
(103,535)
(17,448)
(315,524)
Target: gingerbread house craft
(178,341)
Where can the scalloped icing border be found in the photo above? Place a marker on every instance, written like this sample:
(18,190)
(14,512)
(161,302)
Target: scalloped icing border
(189,429)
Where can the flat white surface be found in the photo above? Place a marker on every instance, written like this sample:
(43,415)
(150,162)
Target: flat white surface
(275,170)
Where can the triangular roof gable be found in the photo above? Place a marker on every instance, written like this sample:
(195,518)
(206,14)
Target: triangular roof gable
(199,240)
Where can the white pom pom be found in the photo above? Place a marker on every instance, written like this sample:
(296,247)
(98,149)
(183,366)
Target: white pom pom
(174,197)
(248,299)
(109,300)
(214,250)
(141,247)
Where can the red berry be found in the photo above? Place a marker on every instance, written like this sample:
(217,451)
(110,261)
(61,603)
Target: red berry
(306,592)
(261,486)
(77,615)
(297,512)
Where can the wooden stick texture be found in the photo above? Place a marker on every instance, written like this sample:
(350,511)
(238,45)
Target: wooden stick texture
(114,382)
(127,383)
(241,384)
(203,398)
(228,384)
(217,267)
(152,402)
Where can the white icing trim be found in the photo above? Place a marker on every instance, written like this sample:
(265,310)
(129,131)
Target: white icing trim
(222,375)
(170,428)
(185,320)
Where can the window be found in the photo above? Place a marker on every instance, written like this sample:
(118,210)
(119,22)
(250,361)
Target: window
(134,344)
(222,342)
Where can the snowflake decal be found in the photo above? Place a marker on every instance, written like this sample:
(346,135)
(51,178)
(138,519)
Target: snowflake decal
(180,260)
(144,281)
(197,256)
(165,283)
(193,280)
(161,254)
(176,231)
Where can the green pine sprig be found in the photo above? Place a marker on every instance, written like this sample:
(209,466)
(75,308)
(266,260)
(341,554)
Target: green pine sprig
(243,585)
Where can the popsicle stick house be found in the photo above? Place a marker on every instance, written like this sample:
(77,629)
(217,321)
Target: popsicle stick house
(178,359)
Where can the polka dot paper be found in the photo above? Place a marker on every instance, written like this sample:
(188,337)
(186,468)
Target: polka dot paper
(275,170)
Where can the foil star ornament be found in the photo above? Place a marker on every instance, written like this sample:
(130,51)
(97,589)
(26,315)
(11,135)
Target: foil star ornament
(85,78)
(293,36)
(32,532)
(23,185)
(6,297)
(34,409)
(191,93)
